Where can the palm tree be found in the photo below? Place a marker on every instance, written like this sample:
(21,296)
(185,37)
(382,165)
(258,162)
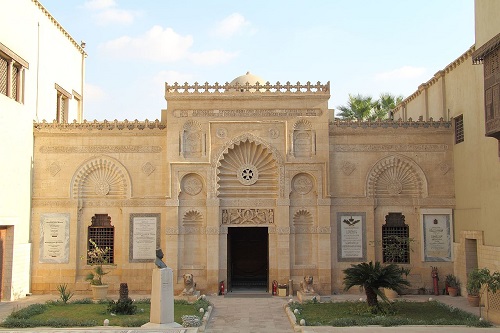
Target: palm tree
(358,107)
(385,104)
(371,277)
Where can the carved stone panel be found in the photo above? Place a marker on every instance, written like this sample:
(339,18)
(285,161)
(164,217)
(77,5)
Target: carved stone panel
(247,216)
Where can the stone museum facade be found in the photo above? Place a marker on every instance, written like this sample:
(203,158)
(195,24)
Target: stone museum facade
(245,183)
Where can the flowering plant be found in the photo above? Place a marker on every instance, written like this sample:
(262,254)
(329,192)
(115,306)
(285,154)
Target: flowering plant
(97,257)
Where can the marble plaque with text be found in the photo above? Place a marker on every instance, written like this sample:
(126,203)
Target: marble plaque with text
(144,237)
(54,238)
(437,237)
(351,236)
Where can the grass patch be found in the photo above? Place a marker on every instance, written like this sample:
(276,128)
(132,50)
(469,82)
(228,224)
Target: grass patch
(86,313)
(399,313)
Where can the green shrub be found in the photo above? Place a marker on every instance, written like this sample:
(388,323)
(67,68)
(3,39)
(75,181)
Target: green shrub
(133,322)
(64,293)
(123,307)
(29,311)
(82,301)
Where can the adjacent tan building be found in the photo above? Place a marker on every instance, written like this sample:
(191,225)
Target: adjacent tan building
(41,77)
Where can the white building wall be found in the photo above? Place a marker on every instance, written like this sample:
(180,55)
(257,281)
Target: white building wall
(53,58)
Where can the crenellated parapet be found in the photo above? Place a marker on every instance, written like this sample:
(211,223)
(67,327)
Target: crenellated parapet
(219,89)
(101,125)
(361,124)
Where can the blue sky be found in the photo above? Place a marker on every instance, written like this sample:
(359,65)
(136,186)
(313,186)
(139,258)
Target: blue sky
(360,46)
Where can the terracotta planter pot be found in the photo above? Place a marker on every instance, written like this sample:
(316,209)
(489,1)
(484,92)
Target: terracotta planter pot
(473,300)
(99,292)
(452,291)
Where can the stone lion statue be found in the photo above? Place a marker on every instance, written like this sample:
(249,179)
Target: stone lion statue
(306,286)
(189,285)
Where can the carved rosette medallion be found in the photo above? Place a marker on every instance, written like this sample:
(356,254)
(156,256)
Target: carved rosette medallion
(274,133)
(247,174)
(221,133)
(102,187)
(302,184)
(192,185)
(394,187)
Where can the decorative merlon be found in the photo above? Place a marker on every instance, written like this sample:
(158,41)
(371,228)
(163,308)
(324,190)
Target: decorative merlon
(441,123)
(101,125)
(216,88)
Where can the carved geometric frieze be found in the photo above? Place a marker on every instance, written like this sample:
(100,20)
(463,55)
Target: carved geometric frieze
(249,113)
(54,169)
(283,230)
(246,202)
(171,231)
(99,149)
(348,167)
(352,202)
(148,168)
(247,216)
(430,147)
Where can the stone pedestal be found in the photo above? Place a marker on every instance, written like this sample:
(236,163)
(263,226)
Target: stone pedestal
(190,298)
(302,297)
(162,299)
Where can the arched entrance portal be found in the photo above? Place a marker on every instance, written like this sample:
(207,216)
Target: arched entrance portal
(247,179)
(248,263)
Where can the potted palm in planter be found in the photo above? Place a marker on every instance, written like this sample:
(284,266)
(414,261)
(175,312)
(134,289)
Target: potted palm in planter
(473,286)
(97,257)
(453,284)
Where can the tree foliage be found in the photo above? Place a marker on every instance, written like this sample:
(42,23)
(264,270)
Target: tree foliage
(365,108)
(371,277)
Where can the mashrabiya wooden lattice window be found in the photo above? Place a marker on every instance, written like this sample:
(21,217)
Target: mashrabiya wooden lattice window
(103,234)
(395,239)
(459,129)
(12,74)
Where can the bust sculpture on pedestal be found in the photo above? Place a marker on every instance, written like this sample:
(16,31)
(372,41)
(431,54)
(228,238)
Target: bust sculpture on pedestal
(162,295)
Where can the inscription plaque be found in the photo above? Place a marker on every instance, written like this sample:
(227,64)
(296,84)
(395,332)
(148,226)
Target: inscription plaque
(54,238)
(437,237)
(351,229)
(144,237)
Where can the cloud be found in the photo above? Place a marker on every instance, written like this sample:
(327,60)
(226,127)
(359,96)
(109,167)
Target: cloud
(212,57)
(99,4)
(231,25)
(114,15)
(405,72)
(157,44)
(93,93)
(106,12)
(164,45)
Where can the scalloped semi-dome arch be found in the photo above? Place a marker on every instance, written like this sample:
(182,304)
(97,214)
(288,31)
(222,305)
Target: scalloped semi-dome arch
(192,125)
(192,216)
(396,176)
(302,124)
(247,169)
(99,177)
(302,216)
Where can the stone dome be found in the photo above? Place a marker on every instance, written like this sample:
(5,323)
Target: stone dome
(250,78)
